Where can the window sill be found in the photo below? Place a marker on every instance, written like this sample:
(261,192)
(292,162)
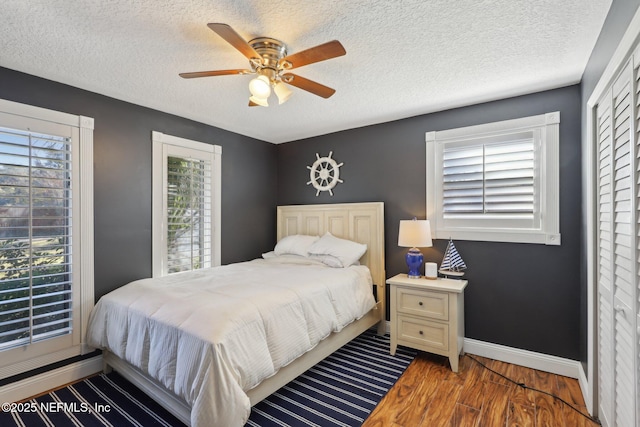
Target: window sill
(494,235)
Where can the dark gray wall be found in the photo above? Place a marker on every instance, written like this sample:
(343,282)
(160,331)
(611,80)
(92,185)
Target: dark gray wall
(520,295)
(525,296)
(122,177)
(618,19)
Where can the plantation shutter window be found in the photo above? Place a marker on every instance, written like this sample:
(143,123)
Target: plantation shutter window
(490,178)
(496,182)
(46,235)
(188,214)
(186,204)
(35,237)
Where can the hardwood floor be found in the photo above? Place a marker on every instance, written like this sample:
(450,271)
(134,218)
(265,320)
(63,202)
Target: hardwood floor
(429,394)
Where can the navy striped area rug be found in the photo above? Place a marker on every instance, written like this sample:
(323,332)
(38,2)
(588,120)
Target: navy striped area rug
(342,390)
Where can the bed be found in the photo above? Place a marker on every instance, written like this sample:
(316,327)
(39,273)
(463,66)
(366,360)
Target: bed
(193,376)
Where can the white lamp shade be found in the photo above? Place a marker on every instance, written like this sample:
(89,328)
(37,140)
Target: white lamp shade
(260,101)
(260,87)
(415,233)
(282,92)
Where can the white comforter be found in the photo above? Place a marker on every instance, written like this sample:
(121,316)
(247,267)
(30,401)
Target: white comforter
(211,335)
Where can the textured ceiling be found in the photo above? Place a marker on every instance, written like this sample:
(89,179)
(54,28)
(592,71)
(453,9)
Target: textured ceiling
(404,57)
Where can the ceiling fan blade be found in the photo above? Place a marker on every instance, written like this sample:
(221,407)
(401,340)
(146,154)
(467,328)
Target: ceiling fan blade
(308,85)
(319,53)
(234,39)
(213,73)
(253,104)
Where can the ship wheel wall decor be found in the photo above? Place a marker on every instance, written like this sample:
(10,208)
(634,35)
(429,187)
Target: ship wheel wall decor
(324,174)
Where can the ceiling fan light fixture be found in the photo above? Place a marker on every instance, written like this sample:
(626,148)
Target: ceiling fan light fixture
(282,92)
(259,101)
(260,87)
(269,59)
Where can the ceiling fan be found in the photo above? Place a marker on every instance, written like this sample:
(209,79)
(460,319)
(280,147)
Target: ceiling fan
(269,60)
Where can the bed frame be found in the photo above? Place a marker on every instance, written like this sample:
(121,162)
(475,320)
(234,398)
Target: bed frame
(360,222)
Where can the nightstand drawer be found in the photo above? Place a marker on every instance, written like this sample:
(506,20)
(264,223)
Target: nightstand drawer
(434,305)
(423,333)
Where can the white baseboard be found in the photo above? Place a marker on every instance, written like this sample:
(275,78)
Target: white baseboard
(586,389)
(529,359)
(49,380)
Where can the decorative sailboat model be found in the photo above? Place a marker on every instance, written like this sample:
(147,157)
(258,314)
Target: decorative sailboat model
(452,263)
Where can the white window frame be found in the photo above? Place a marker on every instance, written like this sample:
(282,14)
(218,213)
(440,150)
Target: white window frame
(500,228)
(162,145)
(29,118)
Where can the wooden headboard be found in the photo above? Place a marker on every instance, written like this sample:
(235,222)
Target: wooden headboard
(360,222)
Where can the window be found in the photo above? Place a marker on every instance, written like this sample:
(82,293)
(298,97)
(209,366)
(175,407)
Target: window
(495,182)
(186,204)
(46,235)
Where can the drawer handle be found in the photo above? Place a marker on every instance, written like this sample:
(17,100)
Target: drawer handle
(420,303)
(421,333)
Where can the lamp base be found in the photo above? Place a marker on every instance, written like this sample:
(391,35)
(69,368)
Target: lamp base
(414,259)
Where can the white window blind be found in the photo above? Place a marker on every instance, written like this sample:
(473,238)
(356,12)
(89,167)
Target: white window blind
(496,181)
(46,236)
(493,178)
(186,204)
(188,214)
(35,237)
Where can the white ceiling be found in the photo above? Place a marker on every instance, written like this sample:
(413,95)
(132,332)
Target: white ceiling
(404,57)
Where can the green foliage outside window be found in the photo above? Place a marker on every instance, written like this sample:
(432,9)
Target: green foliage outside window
(185,212)
(35,220)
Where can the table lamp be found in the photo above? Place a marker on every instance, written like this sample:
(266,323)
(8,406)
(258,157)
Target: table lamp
(413,234)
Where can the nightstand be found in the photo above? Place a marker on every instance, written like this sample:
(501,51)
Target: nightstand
(428,315)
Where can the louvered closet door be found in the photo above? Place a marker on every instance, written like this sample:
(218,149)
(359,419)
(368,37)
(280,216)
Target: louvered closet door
(636,233)
(605,317)
(623,268)
(617,289)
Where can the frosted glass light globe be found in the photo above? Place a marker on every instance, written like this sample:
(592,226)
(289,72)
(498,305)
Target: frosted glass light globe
(260,87)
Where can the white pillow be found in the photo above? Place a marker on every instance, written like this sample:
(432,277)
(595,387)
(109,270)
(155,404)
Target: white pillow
(346,251)
(294,259)
(328,260)
(296,244)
